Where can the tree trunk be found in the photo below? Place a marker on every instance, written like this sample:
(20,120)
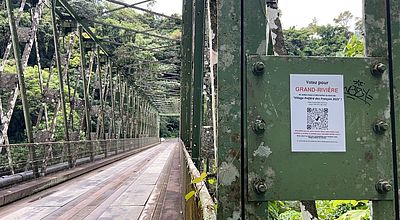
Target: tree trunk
(28,48)
(9,45)
(275,27)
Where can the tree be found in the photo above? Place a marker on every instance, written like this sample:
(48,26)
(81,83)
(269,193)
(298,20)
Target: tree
(317,40)
(169,127)
(344,19)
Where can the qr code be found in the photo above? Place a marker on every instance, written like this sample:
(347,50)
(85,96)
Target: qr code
(317,118)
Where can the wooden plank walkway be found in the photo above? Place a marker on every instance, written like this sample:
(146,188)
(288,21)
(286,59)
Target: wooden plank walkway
(146,185)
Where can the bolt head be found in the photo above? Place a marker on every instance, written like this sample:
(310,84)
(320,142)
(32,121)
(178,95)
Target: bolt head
(259,126)
(383,186)
(258,68)
(261,187)
(381,127)
(379,69)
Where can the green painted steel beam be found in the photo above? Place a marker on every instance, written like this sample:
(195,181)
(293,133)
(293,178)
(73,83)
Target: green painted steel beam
(22,88)
(125,6)
(133,30)
(145,10)
(198,74)
(376,45)
(229,193)
(394,69)
(83,23)
(170,114)
(132,46)
(85,85)
(60,79)
(254,36)
(186,73)
(100,75)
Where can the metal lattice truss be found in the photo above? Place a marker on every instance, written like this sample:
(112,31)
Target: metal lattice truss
(160,87)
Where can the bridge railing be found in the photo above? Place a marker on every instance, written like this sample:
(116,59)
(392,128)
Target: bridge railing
(201,205)
(55,156)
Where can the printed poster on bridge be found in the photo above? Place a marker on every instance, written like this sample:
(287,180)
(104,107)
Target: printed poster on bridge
(317,113)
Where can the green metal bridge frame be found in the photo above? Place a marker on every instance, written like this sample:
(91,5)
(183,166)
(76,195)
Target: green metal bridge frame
(133,105)
(241,33)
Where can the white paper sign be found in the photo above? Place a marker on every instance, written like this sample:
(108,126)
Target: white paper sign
(317,113)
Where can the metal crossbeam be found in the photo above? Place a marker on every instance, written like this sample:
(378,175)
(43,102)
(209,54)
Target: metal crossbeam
(84,25)
(123,7)
(145,10)
(149,62)
(133,46)
(132,30)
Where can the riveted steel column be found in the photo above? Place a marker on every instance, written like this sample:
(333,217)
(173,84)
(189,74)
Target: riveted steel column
(112,134)
(121,105)
(229,153)
(375,28)
(127,110)
(128,113)
(21,82)
(376,45)
(110,90)
(147,119)
(60,79)
(141,116)
(144,117)
(157,121)
(254,32)
(136,121)
(100,74)
(85,85)
(394,69)
(198,81)
(132,126)
(186,74)
(134,115)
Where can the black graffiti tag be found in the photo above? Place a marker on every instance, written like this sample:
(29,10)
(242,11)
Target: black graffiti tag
(357,91)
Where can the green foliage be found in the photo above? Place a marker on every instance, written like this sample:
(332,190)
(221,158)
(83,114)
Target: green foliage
(355,215)
(189,195)
(355,47)
(344,19)
(290,215)
(327,210)
(169,127)
(324,40)
(320,40)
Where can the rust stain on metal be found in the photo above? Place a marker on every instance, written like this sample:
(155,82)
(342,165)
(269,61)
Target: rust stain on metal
(235,138)
(234,154)
(368,156)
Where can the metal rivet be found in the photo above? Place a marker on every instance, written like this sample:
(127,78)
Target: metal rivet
(258,68)
(380,127)
(260,187)
(383,186)
(379,69)
(259,126)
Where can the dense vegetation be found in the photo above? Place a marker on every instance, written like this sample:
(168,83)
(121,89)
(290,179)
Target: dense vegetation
(169,127)
(337,39)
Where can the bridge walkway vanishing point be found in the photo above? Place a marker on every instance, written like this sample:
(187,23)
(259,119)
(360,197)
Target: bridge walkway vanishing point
(146,185)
